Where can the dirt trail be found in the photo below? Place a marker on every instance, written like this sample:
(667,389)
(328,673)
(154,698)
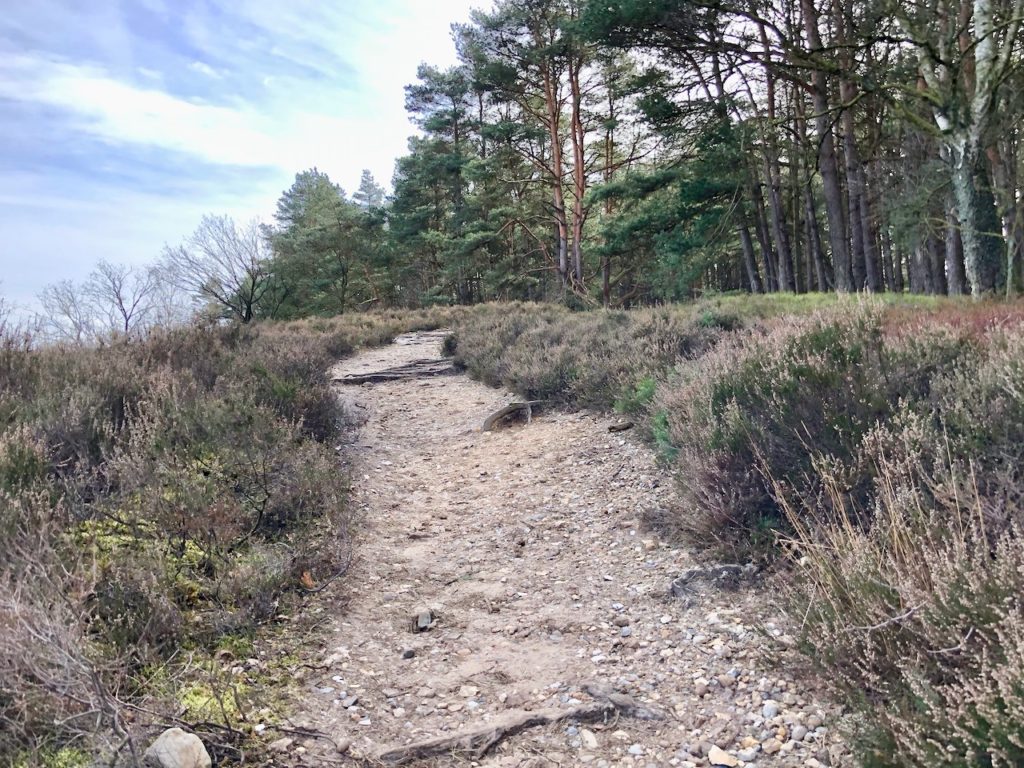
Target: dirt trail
(526,547)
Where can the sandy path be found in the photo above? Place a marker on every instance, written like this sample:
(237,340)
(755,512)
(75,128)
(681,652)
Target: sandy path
(525,545)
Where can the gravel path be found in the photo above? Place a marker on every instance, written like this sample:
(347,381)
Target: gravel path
(522,550)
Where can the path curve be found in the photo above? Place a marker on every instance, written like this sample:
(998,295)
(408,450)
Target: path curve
(526,547)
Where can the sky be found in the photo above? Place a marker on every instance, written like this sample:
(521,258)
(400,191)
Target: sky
(123,121)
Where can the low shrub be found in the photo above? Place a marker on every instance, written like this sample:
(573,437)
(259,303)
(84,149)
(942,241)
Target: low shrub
(917,617)
(751,419)
(582,359)
(157,496)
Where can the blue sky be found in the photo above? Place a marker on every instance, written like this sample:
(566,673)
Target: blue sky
(124,121)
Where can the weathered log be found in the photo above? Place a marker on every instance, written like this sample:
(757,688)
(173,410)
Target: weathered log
(475,743)
(620,427)
(512,408)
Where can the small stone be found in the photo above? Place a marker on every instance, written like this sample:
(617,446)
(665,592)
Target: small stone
(635,749)
(588,738)
(281,745)
(625,632)
(422,620)
(408,653)
(468,691)
(399,712)
(174,748)
(621,620)
(799,733)
(350,702)
(718,756)
(771,746)
(343,745)
(770,709)
(748,755)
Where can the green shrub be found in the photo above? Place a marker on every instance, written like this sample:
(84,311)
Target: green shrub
(917,620)
(639,397)
(911,600)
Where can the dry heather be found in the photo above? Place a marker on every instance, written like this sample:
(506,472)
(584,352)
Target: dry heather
(161,499)
(871,450)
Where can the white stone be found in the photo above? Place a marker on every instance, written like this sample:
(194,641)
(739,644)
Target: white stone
(174,748)
(718,756)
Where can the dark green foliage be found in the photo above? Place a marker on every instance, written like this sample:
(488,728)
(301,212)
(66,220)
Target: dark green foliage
(329,251)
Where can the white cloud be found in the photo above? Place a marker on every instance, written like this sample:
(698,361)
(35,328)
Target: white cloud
(330,95)
(205,69)
(119,112)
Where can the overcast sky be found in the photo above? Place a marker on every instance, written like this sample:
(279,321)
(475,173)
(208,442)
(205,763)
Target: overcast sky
(123,121)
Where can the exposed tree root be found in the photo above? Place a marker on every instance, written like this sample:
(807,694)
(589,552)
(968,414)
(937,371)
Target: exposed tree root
(474,744)
(414,370)
(512,408)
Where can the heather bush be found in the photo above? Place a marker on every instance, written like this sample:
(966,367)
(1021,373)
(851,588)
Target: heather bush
(917,618)
(910,596)
(582,359)
(157,496)
(751,419)
(481,339)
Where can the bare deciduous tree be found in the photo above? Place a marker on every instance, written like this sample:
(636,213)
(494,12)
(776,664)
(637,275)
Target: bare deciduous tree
(68,314)
(122,294)
(223,264)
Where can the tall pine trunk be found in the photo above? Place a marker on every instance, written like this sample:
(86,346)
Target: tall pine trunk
(827,163)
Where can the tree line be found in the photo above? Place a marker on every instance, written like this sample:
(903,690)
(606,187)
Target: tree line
(634,151)
(626,152)
(644,150)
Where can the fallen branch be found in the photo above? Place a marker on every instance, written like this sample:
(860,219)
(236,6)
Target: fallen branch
(474,744)
(491,421)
